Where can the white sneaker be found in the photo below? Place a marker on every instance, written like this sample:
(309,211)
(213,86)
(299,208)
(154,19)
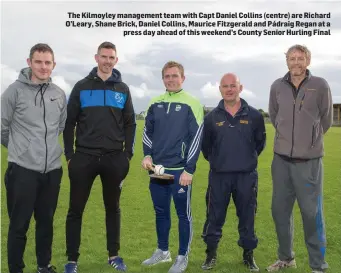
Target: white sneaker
(179,265)
(278,265)
(158,256)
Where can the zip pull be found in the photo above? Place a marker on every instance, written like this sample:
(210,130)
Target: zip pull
(302,102)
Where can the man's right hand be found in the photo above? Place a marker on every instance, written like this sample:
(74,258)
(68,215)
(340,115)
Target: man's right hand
(147,163)
(68,162)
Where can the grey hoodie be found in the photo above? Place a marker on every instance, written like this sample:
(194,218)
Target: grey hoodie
(300,119)
(32,117)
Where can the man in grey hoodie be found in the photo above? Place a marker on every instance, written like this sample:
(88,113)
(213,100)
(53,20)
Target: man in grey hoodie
(33,114)
(300,109)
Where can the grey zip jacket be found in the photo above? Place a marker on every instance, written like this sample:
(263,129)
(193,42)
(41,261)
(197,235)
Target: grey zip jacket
(301,117)
(32,117)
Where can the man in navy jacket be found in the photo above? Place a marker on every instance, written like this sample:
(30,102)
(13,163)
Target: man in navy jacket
(233,138)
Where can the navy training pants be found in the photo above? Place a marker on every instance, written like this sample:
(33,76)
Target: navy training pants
(161,192)
(243,188)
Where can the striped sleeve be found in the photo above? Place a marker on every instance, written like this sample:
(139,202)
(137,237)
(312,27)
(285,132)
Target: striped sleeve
(148,130)
(195,127)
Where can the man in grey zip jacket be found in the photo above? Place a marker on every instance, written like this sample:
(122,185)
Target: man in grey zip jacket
(300,109)
(33,114)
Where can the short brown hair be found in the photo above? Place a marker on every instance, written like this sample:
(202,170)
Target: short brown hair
(171,64)
(41,48)
(106,45)
(301,48)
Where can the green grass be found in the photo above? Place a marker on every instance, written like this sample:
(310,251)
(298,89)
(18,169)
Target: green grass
(138,230)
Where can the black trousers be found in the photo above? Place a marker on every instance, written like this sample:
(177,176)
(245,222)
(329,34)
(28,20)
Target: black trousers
(27,192)
(83,169)
(243,188)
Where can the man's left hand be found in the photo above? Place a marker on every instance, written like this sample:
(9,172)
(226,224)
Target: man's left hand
(185,179)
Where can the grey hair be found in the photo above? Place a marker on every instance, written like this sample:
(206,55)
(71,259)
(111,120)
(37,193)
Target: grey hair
(301,48)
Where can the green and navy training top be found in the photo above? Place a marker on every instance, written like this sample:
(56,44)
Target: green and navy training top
(173,130)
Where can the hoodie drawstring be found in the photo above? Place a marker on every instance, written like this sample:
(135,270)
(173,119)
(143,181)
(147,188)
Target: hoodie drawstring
(41,93)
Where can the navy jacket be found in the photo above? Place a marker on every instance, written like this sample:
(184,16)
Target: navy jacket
(233,144)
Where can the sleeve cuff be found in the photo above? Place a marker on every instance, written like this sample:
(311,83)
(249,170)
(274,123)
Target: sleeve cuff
(186,171)
(149,157)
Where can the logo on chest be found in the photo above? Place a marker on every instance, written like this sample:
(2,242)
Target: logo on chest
(221,123)
(244,121)
(119,98)
(177,107)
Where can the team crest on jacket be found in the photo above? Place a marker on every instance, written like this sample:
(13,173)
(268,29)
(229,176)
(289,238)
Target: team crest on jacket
(221,123)
(178,108)
(119,97)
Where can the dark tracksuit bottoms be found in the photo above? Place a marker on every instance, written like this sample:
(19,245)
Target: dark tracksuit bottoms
(243,188)
(83,169)
(161,192)
(232,145)
(30,192)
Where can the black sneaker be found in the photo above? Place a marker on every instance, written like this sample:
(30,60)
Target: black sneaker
(249,261)
(209,263)
(49,269)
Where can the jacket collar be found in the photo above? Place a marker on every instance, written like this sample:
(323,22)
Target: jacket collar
(244,108)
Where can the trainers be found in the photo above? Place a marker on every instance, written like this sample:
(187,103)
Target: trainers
(179,265)
(117,263)
(281,264)
(158,256)
(209,263)
(249,260)
(70,268)
(49,269)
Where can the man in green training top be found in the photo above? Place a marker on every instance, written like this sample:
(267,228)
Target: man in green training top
(172,138)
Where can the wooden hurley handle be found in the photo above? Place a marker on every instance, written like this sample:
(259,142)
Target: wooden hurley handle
(152,168)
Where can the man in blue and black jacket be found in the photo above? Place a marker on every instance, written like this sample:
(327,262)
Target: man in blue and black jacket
(100,106)
(172,138)
(233,138)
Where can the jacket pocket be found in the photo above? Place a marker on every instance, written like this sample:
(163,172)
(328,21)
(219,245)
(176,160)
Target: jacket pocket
(20,143)
(34,154)
(276,131)
(313,135)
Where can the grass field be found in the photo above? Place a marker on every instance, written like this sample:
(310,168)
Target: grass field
(138,230)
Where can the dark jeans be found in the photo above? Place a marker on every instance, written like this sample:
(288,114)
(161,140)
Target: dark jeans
(83,169)
(27,192)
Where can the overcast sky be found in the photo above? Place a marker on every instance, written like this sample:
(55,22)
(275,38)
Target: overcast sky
(258,61)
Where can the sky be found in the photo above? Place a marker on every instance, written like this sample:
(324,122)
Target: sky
(258,61)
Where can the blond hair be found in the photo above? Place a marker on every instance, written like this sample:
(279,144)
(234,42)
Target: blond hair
(171,64)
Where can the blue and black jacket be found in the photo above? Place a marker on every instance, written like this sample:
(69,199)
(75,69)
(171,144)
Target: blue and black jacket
(103,114)
(173,131)
(233,144)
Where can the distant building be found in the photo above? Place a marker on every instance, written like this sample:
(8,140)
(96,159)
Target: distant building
(337,113)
